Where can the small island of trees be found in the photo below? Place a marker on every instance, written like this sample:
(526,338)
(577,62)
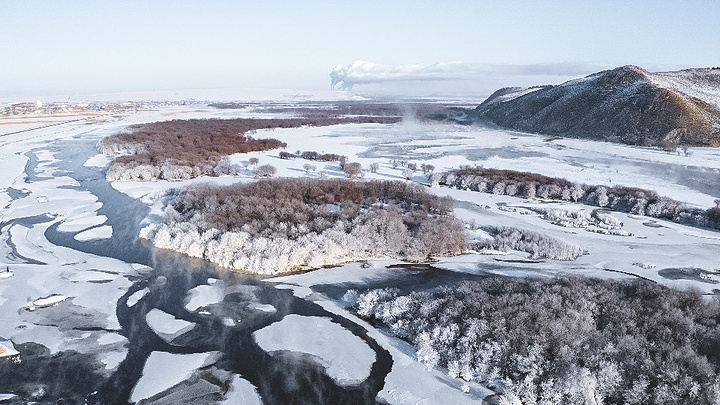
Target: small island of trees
(280,225)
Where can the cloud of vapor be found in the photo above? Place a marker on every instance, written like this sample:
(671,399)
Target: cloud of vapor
(362,72)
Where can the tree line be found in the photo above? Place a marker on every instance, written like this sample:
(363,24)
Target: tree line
(625,199)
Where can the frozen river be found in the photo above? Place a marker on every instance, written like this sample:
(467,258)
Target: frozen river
(223,327)
(99,316)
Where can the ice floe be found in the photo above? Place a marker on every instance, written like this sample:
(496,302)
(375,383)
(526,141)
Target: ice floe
(47,301)
(101,232)
(165,325)
(164,370)
(137,296)
(81,222)
(204,295)
(346,357)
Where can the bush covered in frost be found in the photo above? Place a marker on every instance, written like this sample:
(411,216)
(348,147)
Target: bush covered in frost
(264,172)
(539,246)
(564,341)
(276,226)
(579,219)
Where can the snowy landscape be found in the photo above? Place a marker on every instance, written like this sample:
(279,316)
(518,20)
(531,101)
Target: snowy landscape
(116,286)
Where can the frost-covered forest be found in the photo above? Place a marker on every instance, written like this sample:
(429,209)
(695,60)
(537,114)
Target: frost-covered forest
(281,225)
(625,199)
(564,340)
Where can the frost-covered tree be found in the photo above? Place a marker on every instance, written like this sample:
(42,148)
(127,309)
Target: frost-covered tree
(265,171)
(225,166)
(601,196)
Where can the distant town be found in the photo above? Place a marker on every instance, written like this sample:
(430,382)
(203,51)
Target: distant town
(53,108)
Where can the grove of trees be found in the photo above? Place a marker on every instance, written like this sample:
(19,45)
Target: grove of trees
(184,149)
(563,340)
(280,225)
(538,245)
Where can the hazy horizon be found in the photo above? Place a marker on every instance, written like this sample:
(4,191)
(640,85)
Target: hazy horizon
(463,48)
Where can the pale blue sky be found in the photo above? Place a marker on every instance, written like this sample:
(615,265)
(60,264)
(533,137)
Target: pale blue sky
(71,47)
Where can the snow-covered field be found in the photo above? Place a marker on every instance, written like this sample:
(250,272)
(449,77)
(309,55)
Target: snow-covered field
(65,299)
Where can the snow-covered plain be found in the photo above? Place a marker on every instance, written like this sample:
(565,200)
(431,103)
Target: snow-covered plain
(31,203)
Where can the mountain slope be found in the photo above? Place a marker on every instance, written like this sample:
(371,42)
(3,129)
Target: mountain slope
(626,104)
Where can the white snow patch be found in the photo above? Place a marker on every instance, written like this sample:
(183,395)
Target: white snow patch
(98,160)
(101,232)
(81,222)
(263,307)
(167,326)
(13,167)
(48,301)
(409,381)
(89,276)
(137,296)
(241,392)
(164,370)
(110,338)
(298,291)
(346,357)
(204,295)
(7,349)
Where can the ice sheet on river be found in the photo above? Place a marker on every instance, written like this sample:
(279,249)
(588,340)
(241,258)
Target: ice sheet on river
(164,370)
(346,357)
(167,326)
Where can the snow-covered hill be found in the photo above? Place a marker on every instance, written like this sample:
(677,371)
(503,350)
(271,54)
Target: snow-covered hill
(626,104)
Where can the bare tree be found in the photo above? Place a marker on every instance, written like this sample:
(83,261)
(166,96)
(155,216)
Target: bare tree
(353,170)
(254,161)
(374,167)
